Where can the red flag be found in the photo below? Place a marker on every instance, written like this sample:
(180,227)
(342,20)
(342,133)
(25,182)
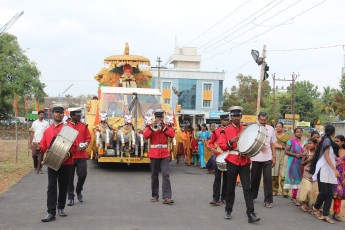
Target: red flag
(175,123)
(48,115)
(15,104)
(43,107)
(37,108)
(96,118)
(26,105)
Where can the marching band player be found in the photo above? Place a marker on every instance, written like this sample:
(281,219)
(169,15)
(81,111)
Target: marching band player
(218,197)
(236,165)
(79,157)
(159,155)
(61,176)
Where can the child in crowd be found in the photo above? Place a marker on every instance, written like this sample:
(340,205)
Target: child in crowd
(309,188)
(339,189)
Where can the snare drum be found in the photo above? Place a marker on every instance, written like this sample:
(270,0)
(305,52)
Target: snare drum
(251,140)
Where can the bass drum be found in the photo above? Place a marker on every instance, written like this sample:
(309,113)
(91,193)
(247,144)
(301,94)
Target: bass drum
(57,151)
(251,140)
(220,161)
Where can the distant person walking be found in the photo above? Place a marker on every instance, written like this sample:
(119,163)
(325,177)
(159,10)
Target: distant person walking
(38,127)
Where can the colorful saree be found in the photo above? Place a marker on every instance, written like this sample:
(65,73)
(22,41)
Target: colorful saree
(293,175)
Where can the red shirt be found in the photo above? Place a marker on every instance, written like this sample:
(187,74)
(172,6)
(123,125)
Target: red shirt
(47,138)
(230,132)
(83,136)
(159,137)
(216,137)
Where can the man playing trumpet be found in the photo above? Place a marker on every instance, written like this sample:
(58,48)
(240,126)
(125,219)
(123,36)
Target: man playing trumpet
(159,155)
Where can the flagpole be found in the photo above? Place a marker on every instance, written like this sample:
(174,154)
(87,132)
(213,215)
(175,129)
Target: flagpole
(27,122)
(15,120)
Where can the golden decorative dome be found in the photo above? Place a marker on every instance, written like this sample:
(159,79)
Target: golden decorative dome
(126,58)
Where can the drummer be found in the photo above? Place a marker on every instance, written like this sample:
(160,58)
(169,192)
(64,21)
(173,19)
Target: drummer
(60,177)
(236,165)
(217,197)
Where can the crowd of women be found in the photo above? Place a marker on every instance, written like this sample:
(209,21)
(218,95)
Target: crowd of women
(312,170)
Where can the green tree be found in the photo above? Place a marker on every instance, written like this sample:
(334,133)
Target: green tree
(327,99)
(245,94)
(342,84)
(17,75)
(306,95)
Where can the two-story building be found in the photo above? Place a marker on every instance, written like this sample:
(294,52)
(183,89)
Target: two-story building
(202,98)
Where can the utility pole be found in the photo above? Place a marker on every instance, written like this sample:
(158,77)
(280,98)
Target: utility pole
(159,71)
(274,99)
(293,80)
(261,79)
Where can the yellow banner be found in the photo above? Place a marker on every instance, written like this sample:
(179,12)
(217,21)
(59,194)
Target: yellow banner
(290,116)
(248,118)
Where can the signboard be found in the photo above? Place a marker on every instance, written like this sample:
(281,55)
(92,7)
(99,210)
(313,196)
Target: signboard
(248,119)
(288,124)
(303,124)
(290,116)
(214,114)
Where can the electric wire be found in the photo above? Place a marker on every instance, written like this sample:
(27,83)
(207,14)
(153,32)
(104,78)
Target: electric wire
(278,13)
(303,12)
(217,23)
(220,40)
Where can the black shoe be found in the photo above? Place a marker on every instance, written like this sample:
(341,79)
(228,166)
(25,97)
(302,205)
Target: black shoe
(253,218)
(49,217)
(70,202)
(80,197)
(62,212)
(227,215)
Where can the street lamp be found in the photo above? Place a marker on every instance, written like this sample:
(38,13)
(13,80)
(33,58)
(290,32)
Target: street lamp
(64,92)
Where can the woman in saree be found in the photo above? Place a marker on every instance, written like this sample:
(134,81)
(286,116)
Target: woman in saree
(209,157)
(194,145)
(339,189)
(203,134)
(279,169)
(182,145)
(293,177)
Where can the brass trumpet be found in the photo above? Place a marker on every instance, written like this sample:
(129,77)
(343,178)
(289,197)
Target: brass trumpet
(157,126)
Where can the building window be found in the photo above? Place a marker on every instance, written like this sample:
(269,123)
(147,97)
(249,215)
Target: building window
(188,98)
(207,87)
(206,103)
(167,101)
(166,85)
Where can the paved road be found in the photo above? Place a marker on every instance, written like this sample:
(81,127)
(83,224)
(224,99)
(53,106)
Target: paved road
(118,198)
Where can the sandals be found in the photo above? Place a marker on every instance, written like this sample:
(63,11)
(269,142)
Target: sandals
(336,216)
(268,205)
(326,218)
(316,212)
(305,208)
(168,201)
(154,199)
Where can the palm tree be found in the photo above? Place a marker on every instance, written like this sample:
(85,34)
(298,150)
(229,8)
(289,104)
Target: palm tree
(327,99)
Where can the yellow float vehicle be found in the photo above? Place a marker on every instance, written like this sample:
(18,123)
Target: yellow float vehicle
(123,108)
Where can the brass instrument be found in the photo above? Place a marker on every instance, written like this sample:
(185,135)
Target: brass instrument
(157,125)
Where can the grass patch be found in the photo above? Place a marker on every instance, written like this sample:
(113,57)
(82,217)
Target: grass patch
(10,171)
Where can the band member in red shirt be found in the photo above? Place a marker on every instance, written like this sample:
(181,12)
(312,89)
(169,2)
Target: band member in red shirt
(236,165)
(217,197)
(159,155)
(61,176)
(79,157)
